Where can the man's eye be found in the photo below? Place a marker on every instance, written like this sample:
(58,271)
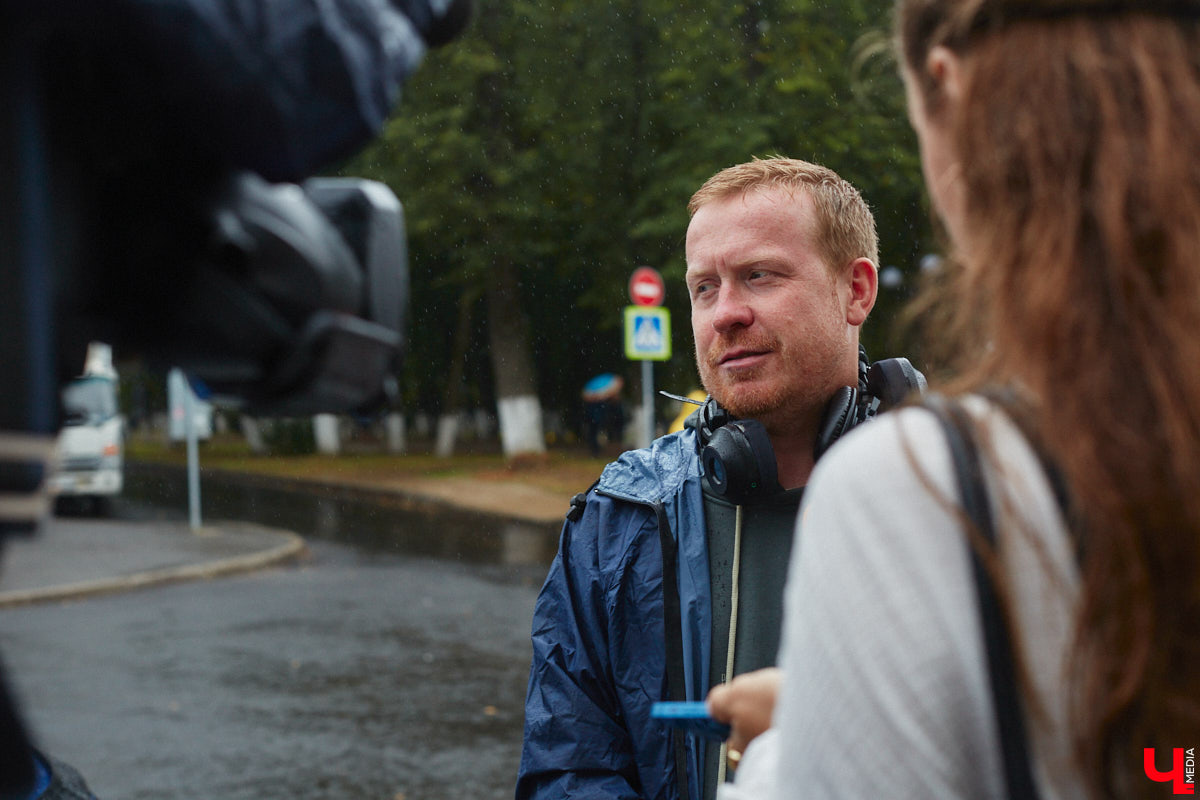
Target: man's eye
(758,273)
(701,288)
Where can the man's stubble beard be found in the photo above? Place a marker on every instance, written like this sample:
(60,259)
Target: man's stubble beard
(741,397)
(786,406)
(779,406)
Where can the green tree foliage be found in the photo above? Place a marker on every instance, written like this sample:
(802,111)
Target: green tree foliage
(555,147)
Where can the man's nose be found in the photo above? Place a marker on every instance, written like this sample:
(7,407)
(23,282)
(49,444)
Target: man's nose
(731,311)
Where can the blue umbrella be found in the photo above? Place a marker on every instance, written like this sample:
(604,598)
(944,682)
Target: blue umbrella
(603,387)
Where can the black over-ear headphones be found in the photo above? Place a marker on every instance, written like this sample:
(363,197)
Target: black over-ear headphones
(736,454)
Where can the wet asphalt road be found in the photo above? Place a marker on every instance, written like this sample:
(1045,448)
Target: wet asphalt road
(364,672)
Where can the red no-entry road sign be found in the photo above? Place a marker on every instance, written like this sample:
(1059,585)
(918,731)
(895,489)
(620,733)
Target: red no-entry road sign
(646,287)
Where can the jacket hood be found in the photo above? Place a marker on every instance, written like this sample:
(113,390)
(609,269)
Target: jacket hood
(653,474)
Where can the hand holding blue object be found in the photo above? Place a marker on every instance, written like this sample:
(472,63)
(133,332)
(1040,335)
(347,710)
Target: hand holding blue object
(693,717)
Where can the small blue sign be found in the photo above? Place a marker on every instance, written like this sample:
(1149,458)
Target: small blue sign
(647,333)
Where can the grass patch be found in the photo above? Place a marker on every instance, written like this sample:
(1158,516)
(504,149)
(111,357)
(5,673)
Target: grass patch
(559,471)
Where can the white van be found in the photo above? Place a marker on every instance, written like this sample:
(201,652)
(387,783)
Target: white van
(91,444)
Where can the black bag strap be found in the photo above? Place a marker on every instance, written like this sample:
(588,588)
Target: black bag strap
(673,625)
(1006,700)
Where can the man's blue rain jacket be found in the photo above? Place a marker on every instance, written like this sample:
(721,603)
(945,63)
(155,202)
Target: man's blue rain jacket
(599,634)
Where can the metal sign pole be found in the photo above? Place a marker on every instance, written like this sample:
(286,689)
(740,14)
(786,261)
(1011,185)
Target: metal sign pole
(647,336)
(193,459)
(648,401)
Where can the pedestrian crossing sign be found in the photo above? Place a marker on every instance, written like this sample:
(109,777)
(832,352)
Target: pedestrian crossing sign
(647,333)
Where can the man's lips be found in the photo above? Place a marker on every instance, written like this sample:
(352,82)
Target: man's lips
(741,358)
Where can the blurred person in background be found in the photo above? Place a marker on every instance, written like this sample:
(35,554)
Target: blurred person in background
(603,411)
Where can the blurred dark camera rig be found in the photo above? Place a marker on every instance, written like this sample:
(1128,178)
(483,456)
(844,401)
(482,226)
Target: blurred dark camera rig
(157,193)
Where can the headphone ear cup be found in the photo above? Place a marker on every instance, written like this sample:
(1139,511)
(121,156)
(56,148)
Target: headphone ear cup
(894,379)
(840,416)
(739,463)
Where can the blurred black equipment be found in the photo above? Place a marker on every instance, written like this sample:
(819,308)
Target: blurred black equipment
(311,284)
(153,195)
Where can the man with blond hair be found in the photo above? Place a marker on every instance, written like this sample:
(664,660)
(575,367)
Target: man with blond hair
(670,570)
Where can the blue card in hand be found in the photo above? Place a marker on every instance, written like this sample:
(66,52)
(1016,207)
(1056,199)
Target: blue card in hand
(692,717)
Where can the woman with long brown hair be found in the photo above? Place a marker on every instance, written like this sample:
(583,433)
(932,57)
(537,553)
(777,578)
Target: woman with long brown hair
(1060,142)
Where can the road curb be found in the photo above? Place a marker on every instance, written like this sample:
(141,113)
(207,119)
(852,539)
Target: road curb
(291,547)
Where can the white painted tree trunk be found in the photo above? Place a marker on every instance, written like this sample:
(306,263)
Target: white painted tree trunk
(517,405)
(253,434)
(397,434)
(447,435)
(521,425)
(325,432)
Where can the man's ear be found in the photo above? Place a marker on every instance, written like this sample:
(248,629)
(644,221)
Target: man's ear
(863,288)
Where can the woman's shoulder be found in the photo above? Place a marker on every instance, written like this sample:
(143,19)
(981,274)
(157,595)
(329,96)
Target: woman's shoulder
(892,484)
(885,487)
(911,441)
(885,452)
